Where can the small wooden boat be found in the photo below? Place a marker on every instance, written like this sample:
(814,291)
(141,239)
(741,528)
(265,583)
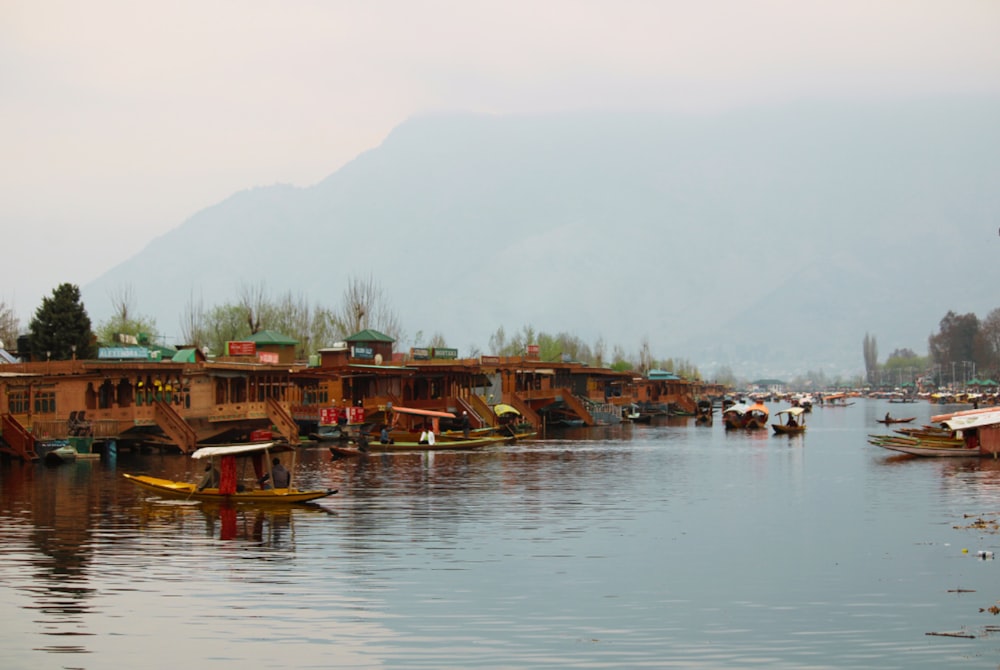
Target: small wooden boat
(891,419)
(60,453)
(451,444)
(791,421)
(227,488)
(747,417)
(924,447)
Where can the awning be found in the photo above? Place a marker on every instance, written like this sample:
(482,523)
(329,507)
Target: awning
(501,409)
(234,449)
(423,412)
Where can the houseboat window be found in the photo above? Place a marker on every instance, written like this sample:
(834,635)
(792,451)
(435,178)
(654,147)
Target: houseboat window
(45,402)
(124,393)
(17,402)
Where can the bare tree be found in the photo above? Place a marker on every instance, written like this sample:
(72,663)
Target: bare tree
(124,319)
(870,347)
(9,325)
(365,305)
(253,301)
(194,330)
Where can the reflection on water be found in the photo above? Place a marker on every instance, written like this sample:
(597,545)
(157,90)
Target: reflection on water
(660,545)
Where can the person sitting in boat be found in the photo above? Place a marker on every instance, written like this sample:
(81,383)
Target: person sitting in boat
(427,437)
(887,417)
(210,480)
(383,436)
(792,423)
(280,475)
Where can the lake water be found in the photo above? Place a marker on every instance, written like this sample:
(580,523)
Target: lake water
(663,546)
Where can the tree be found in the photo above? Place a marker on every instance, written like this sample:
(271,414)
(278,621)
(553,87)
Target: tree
(61,328)
(124,320)
(365,305)
(957,346)
(194,330)
(870,350)
(9,326)
(990,331)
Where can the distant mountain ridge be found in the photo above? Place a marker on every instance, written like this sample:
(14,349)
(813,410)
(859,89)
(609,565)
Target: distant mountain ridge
(770,242)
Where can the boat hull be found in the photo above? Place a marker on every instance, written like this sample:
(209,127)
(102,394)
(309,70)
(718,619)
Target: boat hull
(188,491)
(782,429)
(452,444)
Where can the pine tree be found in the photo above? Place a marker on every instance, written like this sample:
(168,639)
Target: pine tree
(60,324)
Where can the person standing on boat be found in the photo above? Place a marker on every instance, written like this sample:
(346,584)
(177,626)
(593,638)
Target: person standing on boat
(466,425)
(280,475)
(211,478)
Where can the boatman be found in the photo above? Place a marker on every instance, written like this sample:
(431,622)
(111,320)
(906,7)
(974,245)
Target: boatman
(465,424)
(280,475)
(211,478)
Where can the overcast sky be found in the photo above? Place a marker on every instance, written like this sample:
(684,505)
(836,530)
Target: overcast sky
(120,119)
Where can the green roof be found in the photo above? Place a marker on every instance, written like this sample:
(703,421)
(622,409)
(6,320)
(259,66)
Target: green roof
(369,335)
(185,356)
(271,337)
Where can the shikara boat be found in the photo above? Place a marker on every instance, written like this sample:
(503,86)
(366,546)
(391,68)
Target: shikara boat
(917,446)
(228,488)
(57,452)
(791,421)
(891,419)
(748,417)
(449,444)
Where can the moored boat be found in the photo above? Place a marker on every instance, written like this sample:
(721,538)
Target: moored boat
(57,452)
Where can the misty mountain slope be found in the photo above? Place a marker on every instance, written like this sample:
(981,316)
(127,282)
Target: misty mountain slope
(691,232)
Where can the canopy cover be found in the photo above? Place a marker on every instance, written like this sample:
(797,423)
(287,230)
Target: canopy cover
(233,449)
(501,409)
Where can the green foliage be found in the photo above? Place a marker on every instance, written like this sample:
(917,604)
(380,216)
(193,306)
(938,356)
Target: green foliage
(107,331)
(60,324)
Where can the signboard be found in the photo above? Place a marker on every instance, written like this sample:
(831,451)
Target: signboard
(489,360)
(420,354)
(328,416)
(364,352)
(533,349)
(355,414)
(268,357)
(141,353)
(442,352)
(241,348)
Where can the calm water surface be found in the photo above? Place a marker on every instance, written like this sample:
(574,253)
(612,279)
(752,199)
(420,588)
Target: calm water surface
(662,546)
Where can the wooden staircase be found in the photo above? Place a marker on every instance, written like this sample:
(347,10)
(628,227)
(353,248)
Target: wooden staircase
(174,425)
(19,442)
(527,413)
(477,418)
(577,405)
(283,420)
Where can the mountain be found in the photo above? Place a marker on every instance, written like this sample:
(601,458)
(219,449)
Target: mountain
(770,242)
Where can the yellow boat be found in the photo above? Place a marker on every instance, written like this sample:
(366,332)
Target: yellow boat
(227,488)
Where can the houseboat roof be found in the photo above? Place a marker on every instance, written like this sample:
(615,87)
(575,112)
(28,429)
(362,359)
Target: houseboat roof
(271,337)
(369,335)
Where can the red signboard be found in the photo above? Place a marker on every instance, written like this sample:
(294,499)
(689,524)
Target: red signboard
(533,349)
(268,357)
(241,348)
(328,416)
(355,414)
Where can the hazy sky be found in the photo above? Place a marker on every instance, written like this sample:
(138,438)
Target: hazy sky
(120,119)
